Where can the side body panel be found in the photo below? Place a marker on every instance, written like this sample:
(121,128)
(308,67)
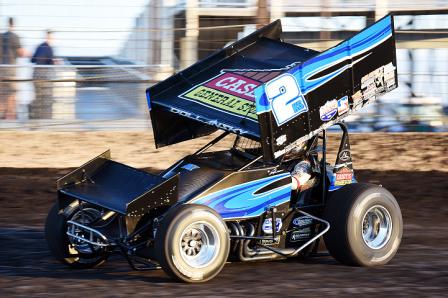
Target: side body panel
(247,194)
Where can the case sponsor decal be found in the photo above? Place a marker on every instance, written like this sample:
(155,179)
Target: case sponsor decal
(234,84)
(343,176)
(328,110)
(231,91)
(343,106)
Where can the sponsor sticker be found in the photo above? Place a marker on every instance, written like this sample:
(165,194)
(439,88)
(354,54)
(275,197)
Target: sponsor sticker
(343,176)
(280,140)
(229,91)
(234,84)
(267,225)
(357,98)
(274,171)
(301,235)
(344,155)
(302,221)
(328,110)
(389,75)
(269,241)
(378,81)
(343,106)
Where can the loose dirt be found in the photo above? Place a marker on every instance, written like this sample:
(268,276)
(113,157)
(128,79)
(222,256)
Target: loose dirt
(414,167)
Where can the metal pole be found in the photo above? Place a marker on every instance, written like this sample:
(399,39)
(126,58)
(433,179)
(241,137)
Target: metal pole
(276,10)
(262,13)
(189,44)
(325,13)
(324,166)
(381,9)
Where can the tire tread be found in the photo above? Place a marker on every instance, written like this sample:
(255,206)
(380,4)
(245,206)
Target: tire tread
(337,211)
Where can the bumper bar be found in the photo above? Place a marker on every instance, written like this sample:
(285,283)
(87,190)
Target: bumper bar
(86,234)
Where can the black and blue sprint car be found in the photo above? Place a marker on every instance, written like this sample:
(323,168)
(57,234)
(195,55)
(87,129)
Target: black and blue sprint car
(272,195)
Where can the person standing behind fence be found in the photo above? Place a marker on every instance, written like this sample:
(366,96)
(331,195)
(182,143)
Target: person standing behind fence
(42,105)
(10,50)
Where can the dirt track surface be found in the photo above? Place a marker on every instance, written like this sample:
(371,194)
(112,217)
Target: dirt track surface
(414,167)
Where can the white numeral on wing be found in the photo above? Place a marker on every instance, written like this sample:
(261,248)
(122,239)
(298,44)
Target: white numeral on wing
(286,99)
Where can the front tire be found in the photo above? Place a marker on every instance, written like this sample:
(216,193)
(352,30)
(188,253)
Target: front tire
(192,243)
(365,225)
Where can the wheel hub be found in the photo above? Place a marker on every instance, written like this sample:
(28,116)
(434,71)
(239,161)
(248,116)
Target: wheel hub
(376,227)
(191,242)
(84,216)
(199,244)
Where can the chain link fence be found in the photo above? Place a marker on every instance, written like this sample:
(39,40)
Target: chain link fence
(112,97)
(67,97)
(154,38)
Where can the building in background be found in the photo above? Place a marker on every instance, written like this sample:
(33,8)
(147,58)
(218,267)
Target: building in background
(168,35)
(180,32)
(167,32)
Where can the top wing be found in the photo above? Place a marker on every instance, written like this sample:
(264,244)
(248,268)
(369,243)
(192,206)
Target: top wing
(274,92)
(218,92)
(326,88)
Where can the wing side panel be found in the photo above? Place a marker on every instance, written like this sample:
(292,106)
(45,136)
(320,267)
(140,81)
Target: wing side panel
(326,88)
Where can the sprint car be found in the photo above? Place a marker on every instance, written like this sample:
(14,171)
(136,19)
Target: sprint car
(248,202)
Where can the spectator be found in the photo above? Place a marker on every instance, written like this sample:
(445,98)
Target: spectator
(10,50)
(42,105)
(44,52)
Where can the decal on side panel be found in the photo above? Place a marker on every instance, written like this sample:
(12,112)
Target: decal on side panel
(286,98)
(245,200)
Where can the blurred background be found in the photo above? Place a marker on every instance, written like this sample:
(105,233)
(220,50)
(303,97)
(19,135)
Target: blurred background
(105,53)
(74,72)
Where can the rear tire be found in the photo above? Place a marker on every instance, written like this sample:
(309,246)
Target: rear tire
(192,243)
(59,244)
(365,225)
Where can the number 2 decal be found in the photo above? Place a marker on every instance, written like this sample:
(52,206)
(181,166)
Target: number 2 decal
(286,98)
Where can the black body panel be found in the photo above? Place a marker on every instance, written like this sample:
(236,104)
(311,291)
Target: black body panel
(120,188)
(330,86)
(176,116)
(274,92)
